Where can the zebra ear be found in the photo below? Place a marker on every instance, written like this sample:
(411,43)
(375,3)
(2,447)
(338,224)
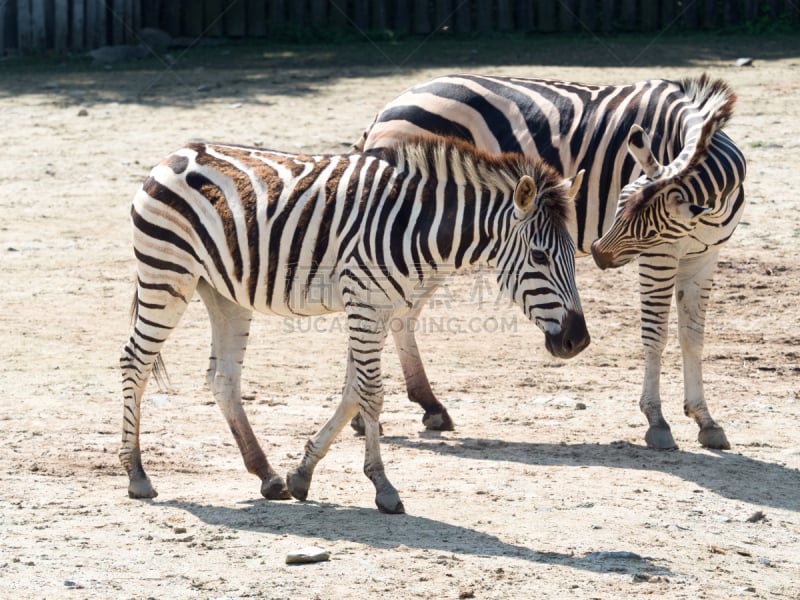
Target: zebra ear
(575,184)
(639,149)
(524,196)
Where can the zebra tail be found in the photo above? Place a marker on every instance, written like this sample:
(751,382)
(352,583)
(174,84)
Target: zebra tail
(159,368)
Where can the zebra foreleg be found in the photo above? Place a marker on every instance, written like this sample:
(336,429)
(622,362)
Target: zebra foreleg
(436,417)
(691,296)
(656,282)
(230,328)
(299,479)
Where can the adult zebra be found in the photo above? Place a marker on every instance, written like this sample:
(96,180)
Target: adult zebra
(255,230)
(672,201)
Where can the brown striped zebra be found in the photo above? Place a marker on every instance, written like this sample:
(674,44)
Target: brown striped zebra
(371,236)
(670,201)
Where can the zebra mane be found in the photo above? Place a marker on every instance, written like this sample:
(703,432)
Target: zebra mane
(715,101)
(449,158)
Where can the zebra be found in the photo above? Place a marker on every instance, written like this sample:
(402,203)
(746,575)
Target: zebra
(678,194)
(371,235)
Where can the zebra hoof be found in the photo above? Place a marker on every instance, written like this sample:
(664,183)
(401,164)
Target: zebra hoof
(389,503)
(440,421)
(141,488)
(274,488)
(298,483)
(660,438)
(357,423)
(714,438)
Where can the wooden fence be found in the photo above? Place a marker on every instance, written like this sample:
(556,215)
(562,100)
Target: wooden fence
(31,26)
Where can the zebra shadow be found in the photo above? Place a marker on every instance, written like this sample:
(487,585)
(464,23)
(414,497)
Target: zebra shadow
(367,526)
(728,474)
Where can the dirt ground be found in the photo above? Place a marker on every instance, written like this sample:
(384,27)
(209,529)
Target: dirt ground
(545,489)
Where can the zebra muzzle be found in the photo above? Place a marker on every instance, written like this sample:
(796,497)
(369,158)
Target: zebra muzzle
(571,340)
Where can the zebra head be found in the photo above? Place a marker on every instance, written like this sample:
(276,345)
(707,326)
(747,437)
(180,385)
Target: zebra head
(536,263)
(656,208)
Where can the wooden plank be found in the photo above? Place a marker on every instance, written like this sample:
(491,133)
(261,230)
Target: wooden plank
(731,14)
(171,18)
(319,13)
(690,15)
(483,16)
(669,12)
(60,24)
(23,26)
(296,15)
(234,21)
(360,14)
(136,17)
(117,33)
(609,16)
(78,28)
(463,20)
(648,11)
(192,19)
(710,15)
(38,25)
(150,13)
(545,16)
(276,15)
(567,15)
(443,15)
(94,27)
(587,14)
(212,18)
(422,20)
(627,15)
(523,15)
(379,15)
(505,21)
(5,8)
(256,18)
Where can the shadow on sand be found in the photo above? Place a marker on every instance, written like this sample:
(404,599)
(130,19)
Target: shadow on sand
(728,474)
(369,527)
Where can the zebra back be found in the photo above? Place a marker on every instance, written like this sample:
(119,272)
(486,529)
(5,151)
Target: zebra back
(574,127)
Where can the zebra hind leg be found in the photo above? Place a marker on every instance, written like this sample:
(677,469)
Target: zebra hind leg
(230,328)
(691,295)
(157,309)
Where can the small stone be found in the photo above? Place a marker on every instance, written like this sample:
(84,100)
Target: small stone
(179,530)
(744,62)
(309,554)
(466,594)
(580,406)
(83,113)
(756,517)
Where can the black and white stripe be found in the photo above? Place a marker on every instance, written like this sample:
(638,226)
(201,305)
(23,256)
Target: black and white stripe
(371,235)
(670,198)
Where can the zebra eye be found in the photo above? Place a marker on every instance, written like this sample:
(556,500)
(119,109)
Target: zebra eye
(539,257)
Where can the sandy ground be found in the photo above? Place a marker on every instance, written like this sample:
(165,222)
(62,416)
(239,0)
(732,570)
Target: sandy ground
(545,490)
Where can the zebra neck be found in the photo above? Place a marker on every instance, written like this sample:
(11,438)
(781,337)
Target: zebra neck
(473,223)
